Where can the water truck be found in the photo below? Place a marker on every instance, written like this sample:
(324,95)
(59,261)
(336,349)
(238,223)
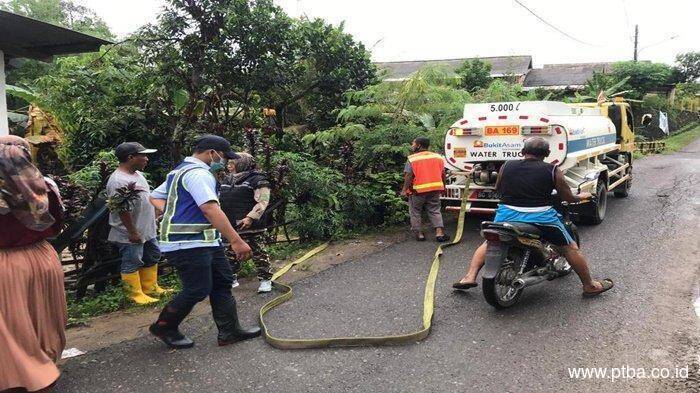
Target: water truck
(592,144)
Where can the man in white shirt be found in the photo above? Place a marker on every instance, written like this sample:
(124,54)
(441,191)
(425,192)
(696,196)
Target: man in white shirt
(190,238)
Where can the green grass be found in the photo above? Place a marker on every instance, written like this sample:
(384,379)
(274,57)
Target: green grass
(114,299)
(676,141)
(681,139)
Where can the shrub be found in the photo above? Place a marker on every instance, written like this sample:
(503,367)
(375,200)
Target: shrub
(90,176)
(474,74)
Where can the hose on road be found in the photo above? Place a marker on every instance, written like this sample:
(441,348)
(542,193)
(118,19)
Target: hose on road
(334,342)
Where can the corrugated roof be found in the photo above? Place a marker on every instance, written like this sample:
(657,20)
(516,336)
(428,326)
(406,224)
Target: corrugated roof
(564,74)
(26,37)
(500,66)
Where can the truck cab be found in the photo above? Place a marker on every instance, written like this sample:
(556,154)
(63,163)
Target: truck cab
(620,113)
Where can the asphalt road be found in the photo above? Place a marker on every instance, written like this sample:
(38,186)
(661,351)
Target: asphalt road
(648,244)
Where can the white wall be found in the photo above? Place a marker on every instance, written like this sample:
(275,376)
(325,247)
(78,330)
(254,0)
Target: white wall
(4,127)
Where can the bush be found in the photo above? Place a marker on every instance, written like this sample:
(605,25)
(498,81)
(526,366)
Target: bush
(90,177)
(314,194)
(474,74)
(643,77)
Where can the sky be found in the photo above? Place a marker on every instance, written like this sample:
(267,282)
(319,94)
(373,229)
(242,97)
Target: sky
(394,30)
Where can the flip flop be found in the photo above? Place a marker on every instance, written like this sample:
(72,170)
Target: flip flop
(464,285)
(607,284)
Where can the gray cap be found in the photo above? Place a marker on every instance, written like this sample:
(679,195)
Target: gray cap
(126,149)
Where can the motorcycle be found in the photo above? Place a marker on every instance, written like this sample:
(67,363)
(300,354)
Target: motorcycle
(518,257)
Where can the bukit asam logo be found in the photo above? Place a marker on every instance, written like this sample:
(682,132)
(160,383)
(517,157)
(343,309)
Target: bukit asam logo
(498,145)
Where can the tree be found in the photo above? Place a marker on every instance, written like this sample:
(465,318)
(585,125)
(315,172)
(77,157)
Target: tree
(100,100)
(64,13)
(644,77)
(330,62)
(474,74)
(222,61)
(601,82)
(688,67)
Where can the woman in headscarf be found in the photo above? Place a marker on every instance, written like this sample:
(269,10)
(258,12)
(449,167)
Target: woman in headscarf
(245,195)
(32,298)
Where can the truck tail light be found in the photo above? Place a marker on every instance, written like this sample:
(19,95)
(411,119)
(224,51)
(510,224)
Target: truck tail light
(536,130)
(468,131)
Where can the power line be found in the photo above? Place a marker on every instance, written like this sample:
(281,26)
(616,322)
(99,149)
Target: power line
(673,37)
(627,19)
(552,26)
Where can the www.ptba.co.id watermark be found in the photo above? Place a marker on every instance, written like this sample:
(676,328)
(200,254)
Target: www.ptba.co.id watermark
(629,372)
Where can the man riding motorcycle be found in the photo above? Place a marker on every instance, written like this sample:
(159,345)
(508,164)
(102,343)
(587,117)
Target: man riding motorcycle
(526,189)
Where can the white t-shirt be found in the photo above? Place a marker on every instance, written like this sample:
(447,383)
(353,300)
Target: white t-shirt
(143,214)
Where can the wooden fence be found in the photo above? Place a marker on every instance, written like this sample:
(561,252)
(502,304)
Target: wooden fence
(650,147)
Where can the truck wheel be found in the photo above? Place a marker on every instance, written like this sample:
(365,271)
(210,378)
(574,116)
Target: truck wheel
(623,190)
(594,213)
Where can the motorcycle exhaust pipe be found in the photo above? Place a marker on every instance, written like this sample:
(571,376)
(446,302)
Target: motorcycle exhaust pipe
(523,282)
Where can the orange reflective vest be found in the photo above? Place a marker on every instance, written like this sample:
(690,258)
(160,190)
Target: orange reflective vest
(427,170)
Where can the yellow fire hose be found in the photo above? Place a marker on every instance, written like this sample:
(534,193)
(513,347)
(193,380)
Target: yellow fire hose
(428,303)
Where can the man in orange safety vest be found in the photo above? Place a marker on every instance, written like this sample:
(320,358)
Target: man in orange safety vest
(424,181)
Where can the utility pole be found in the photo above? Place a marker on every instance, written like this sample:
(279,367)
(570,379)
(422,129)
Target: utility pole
(636,40)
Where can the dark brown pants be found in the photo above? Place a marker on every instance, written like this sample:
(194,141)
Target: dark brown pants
(430,201)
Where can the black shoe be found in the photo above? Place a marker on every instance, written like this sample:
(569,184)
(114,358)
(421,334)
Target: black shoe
(226,318)
(172,338)
(240,335)
(166,328)
(443,238)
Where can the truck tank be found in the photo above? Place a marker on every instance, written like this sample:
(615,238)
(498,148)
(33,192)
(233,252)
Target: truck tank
(495,132)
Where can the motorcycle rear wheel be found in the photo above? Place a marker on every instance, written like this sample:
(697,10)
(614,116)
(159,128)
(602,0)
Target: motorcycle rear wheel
(498,295)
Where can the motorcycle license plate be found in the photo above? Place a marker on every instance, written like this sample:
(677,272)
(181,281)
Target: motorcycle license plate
(502,130)
(487,194)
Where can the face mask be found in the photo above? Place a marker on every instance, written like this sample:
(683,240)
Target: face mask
(218,165)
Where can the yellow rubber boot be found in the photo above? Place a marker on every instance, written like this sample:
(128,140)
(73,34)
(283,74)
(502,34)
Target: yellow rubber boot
(132,286)
(149,281)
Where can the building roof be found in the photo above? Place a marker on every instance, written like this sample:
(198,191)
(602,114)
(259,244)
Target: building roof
(500,66)
(26,37)
(563,75)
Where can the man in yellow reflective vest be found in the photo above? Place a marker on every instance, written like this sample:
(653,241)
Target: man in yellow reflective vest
(424,181)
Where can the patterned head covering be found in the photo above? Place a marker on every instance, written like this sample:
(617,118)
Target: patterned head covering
(244,163)
(23,190)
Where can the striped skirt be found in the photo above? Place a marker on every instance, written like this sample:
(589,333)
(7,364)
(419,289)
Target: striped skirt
(32,316)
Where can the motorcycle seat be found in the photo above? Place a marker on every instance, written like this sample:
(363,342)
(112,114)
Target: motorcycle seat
(527,228)
(524,228)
